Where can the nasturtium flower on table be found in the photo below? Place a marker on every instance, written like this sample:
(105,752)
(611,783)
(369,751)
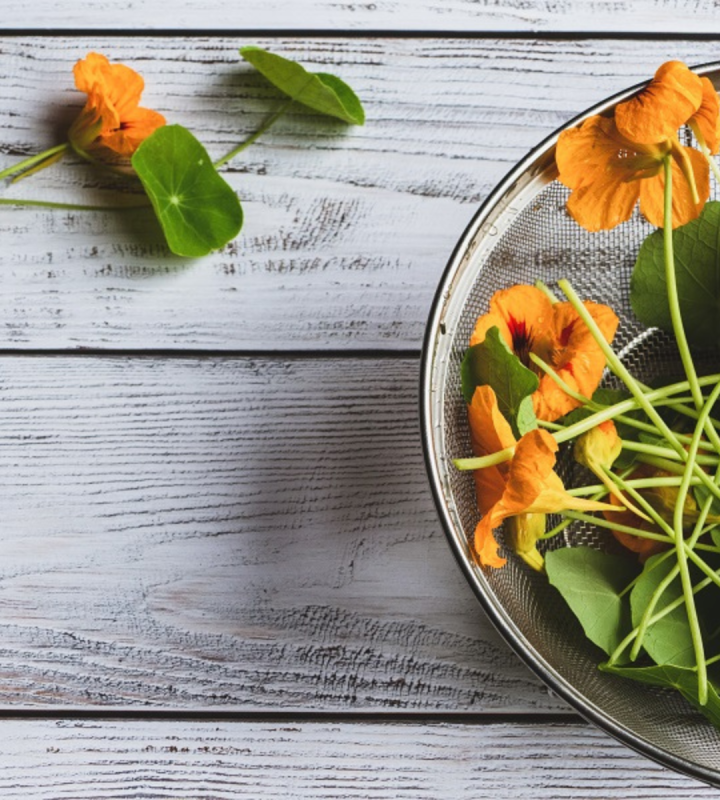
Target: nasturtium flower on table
(530,323)
(525,484)
(612,162)
(112,116)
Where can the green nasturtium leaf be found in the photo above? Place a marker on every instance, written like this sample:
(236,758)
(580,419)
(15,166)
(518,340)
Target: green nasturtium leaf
(697,267)
(667,641)
(670,676)
(590,582)
(715,536)
(316,90)
(198,211)
(701,494)
(492,363)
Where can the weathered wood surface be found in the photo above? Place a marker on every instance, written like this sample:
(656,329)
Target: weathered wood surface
(219,760)
(347,229)
(185,533)
(467,16)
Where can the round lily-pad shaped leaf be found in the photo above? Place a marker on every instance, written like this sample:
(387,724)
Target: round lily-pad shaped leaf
(198,211)
(316,90)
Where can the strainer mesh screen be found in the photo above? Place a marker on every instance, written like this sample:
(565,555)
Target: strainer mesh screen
(543,242)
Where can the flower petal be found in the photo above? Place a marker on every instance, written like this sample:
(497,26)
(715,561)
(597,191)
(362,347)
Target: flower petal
(533,487)
(134,129)
(522,314)
(577,358)
(707,118)
(489,432)
(485,547)
(111,116)
(602,167)
(652,202)
(655,114)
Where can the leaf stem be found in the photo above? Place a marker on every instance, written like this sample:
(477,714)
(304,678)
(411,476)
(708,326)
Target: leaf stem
(589,403)
(269,122)
(22,166)
(672,293)
(11,201)
(636,483)
(478,462)
(601,522)
(547,291)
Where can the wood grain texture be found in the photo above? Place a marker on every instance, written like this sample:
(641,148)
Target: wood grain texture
(218,760)
(347,229)
(477,16)
(232,533)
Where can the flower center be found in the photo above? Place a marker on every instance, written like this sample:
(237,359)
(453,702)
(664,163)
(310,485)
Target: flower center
(522,340)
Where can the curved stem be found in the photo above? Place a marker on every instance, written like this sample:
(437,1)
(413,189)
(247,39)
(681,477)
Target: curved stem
(672,293)
(590,404)
(11,201)
(22,166)
(616,526)
(636,483)
(478,462)
(271,120)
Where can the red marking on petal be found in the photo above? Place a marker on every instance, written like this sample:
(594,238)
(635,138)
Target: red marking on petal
(566,333)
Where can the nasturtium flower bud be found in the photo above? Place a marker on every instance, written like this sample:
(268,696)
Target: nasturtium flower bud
(522,534)
(598,448)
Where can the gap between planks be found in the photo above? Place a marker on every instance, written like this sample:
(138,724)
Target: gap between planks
(200,353)
(472,719)
(370,33)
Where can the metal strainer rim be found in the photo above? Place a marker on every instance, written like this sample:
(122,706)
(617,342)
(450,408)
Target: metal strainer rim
(536,164)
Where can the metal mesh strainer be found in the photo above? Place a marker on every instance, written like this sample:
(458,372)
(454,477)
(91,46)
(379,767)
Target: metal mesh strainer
(522,233)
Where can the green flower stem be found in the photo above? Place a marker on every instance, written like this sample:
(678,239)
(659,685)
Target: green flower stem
(681,550)
(656,396)
(271,120)
(661,463)
(643,399)
(96,162)
(551,426)
(636,483)
(662,557)
(22,166)
(10,201)
(664,452)
(480,462)
(593,406)
(601,522)
(600,492)
(655,618)
(691,412)
(650,609)
(620,370)
(547,291)
(691,544)
(609,479)
(561,526)
(672,294)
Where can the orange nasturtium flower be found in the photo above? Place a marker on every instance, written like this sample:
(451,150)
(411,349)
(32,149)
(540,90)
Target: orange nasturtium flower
(527,484)
(530,323)
(612,162)
(112,117)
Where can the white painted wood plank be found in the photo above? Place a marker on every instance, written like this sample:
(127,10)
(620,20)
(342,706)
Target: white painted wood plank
(347,230)
(232,533)
(636,16)
(221,760)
